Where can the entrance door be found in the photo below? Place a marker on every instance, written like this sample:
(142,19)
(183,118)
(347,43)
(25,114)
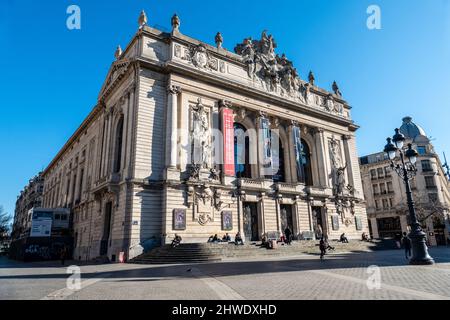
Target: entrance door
(318,222)
(251,232)
(389,227)
(106,229)
(286,217)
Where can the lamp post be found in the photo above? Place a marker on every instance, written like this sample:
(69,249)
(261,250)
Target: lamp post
(406,169)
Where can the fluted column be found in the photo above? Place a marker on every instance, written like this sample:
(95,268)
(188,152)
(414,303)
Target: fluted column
(172,121)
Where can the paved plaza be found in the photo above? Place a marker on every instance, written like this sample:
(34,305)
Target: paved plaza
(339,276)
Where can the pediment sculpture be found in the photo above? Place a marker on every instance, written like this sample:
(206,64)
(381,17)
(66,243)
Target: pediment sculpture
(276,73)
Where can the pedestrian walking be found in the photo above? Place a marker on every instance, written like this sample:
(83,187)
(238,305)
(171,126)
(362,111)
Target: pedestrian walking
(288,234)
(406,241)
(323,248)
(63,255)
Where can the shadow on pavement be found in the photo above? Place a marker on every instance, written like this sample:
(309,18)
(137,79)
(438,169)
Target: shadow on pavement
(239,268)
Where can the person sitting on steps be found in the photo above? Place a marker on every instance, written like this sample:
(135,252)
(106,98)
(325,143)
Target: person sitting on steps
(238,239)
(176,241)
(226,238)
(343,238)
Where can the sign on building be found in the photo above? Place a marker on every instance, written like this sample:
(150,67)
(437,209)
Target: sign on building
(41,223)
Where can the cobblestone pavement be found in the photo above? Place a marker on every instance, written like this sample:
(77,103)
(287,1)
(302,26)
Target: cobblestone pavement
(339,276)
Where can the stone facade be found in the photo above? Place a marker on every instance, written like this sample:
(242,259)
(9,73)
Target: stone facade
(30,197)
(156,157)
(385,191)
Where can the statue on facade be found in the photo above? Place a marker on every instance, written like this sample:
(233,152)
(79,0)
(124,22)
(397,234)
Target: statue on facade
(118,53)
(329,103)
(219,40)
(340,180)
(142,21)
(311,78)
(336,89)
(200,136)
(175,22)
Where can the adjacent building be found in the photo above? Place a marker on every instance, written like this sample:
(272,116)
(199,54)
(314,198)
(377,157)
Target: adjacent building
(385,192)
(30,197)
(192,139)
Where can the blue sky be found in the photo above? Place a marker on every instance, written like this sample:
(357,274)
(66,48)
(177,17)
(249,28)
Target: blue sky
(51,76)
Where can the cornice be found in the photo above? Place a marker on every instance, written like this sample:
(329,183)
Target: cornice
(174,67)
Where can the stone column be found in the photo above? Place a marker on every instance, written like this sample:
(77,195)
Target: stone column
(172,126)
(374,226)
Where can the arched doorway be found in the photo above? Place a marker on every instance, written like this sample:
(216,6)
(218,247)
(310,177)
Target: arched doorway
(242,165)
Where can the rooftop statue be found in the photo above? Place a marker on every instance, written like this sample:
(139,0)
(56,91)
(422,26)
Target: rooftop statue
(219,40)
(336,89)
(175,22)
(277,74)
(142,21)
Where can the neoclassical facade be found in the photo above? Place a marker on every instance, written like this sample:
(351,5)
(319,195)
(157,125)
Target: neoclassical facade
(385,192)
(193,139)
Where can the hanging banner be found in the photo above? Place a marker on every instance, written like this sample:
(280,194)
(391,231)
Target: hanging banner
(298,153)
(265,137)
(228,141)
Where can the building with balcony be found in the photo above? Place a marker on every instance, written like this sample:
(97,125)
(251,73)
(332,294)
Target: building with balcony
(30,197)
(192,139)
(385,191)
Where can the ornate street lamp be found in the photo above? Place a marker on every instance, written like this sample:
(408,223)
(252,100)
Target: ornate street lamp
(406,169)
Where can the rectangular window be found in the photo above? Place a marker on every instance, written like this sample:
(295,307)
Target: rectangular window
(376,190)
(377,204)
(426,166)
(421,150)
(383,188)
(387,172)
(385,204)
(391,203)
(429,182)
(390,187)
(380,172)
(373,174)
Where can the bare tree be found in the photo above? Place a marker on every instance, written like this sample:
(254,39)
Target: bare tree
(5,224)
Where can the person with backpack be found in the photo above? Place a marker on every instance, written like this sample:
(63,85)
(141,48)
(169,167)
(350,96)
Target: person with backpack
(406,241)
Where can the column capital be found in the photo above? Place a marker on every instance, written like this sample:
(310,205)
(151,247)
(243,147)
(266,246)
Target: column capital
(317,130)
(225,103)
(173,89)
(347,137)
(294,123)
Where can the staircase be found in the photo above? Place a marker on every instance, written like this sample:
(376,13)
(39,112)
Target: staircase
(208,252)
(184,253)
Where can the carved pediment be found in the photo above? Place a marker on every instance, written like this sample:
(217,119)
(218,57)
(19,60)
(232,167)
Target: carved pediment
(117,70)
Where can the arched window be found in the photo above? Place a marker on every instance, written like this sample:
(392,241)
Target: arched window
(278,161)
(305,173)
(118,148)
(242,166)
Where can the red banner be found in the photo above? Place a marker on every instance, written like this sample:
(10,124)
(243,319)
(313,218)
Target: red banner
(228,141)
